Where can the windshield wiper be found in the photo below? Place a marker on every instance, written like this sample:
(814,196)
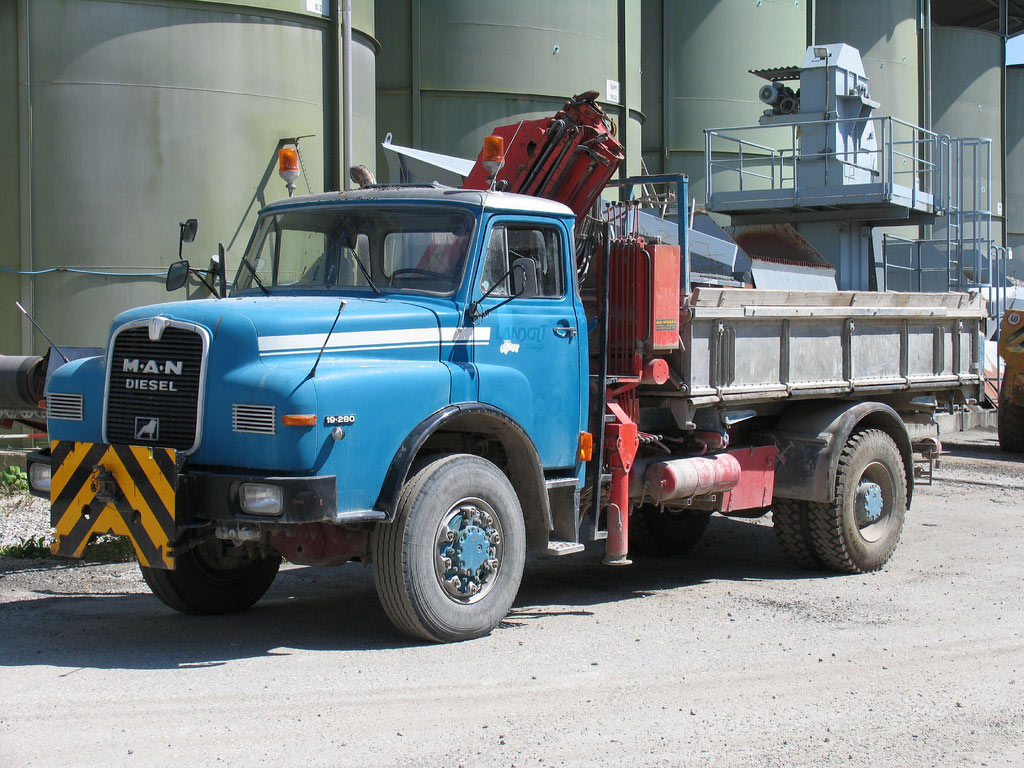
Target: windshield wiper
(366,274)
(255,276)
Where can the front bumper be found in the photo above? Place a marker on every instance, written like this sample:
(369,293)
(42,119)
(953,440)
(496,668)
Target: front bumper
(142,493)
(215,496)
(124,490)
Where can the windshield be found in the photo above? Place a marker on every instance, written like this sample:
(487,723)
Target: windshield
(403,249)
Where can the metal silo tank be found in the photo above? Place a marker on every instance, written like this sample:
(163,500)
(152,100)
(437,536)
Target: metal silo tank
(966,94)
(456,68)
(142,115)
(1015,168)
(11,189)
(886,33)
(696,57)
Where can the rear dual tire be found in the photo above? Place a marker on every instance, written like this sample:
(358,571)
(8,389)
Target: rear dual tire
(858,531)
(665,534)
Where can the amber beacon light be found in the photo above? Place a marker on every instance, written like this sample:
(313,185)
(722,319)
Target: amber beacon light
(493,157)
(288,167)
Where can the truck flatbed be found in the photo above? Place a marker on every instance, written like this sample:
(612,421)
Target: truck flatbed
(749,345)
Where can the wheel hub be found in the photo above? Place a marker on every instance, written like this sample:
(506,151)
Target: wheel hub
(870,503)
(468,550)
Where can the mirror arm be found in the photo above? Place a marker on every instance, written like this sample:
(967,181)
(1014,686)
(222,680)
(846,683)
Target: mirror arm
(222,272)
(202,275)
(475,315)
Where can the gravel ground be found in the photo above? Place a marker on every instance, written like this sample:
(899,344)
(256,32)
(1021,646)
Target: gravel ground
(728,658)
(23,517)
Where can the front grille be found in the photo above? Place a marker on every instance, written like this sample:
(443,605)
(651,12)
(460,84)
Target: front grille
(153,397)
(65,406)
(254,419)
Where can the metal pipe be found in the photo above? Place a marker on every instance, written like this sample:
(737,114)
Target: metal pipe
(21,381)
(599,409)
(346,87)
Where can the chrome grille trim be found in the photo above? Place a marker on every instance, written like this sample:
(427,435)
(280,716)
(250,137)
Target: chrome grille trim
(204,337)
(254,419)
(69,407)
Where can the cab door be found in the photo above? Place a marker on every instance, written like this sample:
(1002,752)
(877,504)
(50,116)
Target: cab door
(529,366)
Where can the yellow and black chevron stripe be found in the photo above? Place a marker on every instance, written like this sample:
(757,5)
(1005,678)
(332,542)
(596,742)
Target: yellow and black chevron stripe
(1011,337)
(136,488)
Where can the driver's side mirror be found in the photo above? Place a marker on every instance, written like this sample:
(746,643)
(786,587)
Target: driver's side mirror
(189,229)
(524,278)
(177,274)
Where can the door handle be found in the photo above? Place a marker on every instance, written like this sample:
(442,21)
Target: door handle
(565,331)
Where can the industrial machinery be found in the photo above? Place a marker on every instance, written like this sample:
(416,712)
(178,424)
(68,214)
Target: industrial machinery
(1011,394)
(425,378)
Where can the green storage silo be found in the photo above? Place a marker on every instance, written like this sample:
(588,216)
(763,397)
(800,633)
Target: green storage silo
(695,60)
(967,97)
(886,34)
(453,69)
(129,117)
(1015,168)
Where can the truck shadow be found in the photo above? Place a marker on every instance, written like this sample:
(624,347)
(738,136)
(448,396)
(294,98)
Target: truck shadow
(336,609)
(730,550)
(988,450)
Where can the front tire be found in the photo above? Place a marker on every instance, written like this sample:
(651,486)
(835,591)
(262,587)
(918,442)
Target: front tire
(860,529)
(214,577)
(449,566)
(1010,423)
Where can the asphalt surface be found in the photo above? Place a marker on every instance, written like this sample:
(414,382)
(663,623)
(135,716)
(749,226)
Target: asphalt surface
(729,657)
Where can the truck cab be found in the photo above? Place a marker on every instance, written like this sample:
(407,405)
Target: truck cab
(383,352)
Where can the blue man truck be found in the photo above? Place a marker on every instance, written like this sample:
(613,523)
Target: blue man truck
(430,380)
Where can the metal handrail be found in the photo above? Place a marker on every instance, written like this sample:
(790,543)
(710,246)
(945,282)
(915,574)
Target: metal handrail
(922,150)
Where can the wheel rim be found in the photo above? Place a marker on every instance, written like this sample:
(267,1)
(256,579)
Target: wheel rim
(873,501)
(468,550)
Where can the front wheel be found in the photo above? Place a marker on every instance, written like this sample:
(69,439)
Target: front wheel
(860,529)
(1010,423)
(214,577)
(449,566)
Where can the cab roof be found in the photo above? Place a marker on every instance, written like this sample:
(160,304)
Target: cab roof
(503,201)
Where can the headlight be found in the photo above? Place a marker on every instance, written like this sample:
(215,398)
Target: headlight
(39,477)
(261,499)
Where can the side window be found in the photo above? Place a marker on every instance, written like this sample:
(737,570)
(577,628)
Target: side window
(495,263)
(541,244)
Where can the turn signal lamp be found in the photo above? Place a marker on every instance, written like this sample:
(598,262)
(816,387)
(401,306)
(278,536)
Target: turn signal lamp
(299,420)
(288,167)
(586,452)
(493,156)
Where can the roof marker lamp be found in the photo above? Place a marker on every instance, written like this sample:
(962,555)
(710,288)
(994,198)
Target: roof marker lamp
(288,167)
(493,157)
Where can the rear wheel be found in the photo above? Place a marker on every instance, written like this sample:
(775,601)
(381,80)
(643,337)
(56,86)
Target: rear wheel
(1011,423)
(666,534)
(859,531)
(214,577)
(790,521)
(449,566)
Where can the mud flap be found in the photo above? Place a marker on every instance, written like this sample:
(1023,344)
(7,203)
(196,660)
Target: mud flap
(119,489)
